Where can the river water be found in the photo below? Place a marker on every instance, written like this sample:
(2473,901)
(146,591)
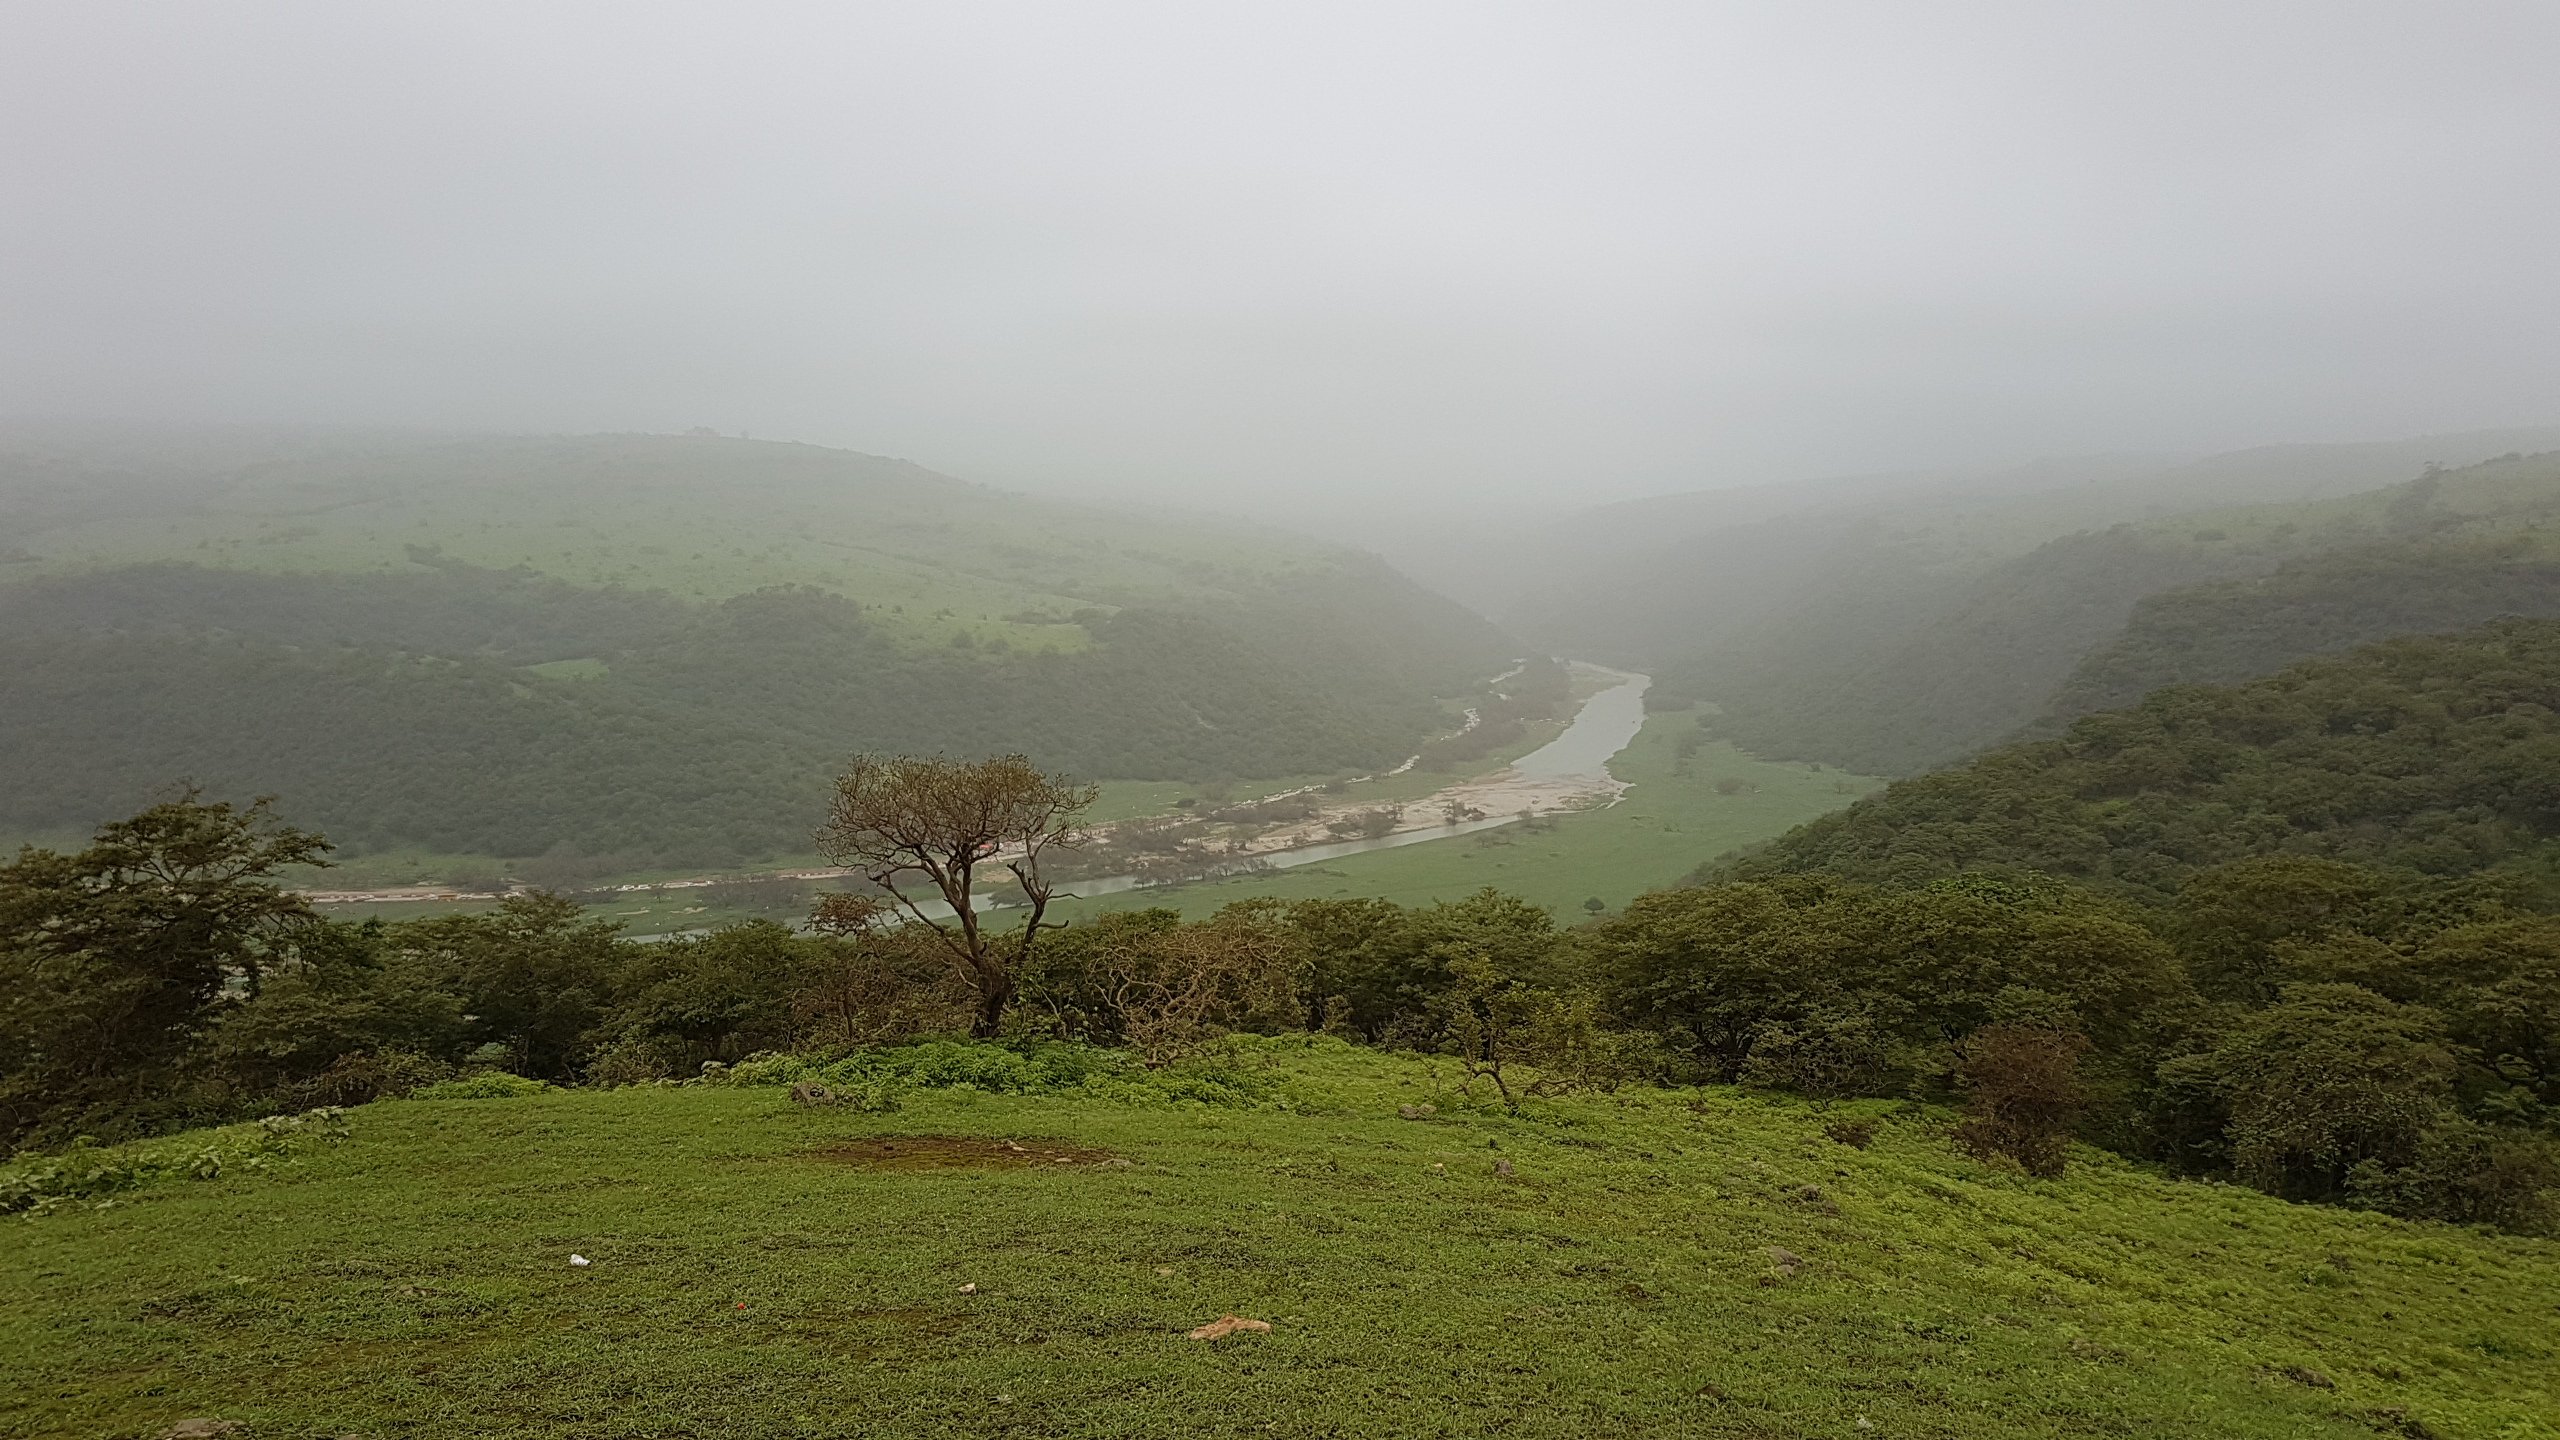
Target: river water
(1605,725)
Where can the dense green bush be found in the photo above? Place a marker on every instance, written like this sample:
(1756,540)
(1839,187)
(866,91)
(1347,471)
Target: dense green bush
(489,1085)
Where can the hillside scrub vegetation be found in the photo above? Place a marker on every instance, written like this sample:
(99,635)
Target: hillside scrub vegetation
(2320,1030)
(1906,659)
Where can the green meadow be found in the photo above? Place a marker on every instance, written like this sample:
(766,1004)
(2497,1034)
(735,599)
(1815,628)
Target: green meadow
(1651,1262)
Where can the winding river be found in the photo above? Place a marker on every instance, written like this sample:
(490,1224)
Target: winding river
(1605,725)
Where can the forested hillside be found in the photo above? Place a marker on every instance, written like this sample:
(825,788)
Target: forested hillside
(327,634)
(2438,754)
(1905,673)
(2235,630)
(1654,581)
(1898,674)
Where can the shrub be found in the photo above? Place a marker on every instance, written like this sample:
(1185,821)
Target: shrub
(1175,990)
(1826,1055)
(635,1060)
(1855,1132)
(874,1079)
(2022,1094)
(2467,1173)
(83,1171)
(363,1077)
(885,987)
(493,1085)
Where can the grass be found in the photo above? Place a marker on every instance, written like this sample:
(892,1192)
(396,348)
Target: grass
(765,1270)
(1673,818)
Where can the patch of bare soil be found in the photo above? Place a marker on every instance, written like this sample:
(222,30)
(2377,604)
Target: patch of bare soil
(960,1152)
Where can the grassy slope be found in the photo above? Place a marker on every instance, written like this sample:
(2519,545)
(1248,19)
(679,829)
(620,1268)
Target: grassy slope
(929,556)
(415,1281)
(1665,825)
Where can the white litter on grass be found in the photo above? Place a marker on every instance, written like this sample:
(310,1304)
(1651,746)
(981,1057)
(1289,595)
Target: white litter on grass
(969,1289)
(579,1260)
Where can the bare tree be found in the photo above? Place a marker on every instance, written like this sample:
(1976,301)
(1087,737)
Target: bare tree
(907,822)
(1177,989)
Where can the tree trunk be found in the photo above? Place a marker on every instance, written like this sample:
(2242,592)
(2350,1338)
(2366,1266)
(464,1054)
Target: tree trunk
(994,993)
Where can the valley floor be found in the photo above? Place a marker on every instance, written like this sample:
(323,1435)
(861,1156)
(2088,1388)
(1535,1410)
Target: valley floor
(1655,1263)
(1685,800)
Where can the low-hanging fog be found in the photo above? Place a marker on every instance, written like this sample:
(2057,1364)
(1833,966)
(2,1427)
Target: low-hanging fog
(1296,258)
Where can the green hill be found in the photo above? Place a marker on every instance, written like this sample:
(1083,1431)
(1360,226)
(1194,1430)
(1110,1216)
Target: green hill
(1654,1262)
(1651,582)
(700,517)
(1902,675)
(2439,753)
(653,650)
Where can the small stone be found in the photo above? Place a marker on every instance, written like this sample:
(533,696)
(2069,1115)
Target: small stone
(579,1262)
(1417,1112)
(810,1092)
(1502,1170)
(969,1289)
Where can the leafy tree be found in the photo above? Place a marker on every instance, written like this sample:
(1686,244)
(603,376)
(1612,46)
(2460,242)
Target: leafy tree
(696,998)
(1711,968)
(2498,986)
(114,959)
(538,974)
(337,997)
(1825,1053)
(1392,965)
(1522,1038)
(2231,920)
(2328,1078)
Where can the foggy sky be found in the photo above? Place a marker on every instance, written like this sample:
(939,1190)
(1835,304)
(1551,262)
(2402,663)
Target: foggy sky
(1296,253)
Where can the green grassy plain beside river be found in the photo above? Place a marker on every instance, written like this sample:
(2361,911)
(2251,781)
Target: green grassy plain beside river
(1676,814)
